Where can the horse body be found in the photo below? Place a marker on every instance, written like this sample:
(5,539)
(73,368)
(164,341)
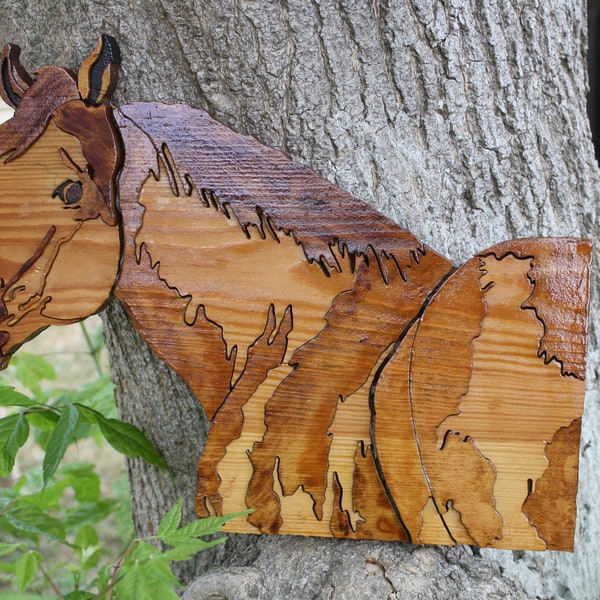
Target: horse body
(348,371)
(334,308)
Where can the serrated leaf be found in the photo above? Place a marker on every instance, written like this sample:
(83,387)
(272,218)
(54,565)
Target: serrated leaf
(62,436)
(10,397)
(186,551)
(25,569)
(30,519)
(130,441)
(15,440)
(208,525)
(170,522)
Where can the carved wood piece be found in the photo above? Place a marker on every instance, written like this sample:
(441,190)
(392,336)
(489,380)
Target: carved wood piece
(357,384)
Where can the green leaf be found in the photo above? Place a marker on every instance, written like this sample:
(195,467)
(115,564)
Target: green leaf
(10,548)
(90,556)
(30,519)
(146,574)
(7,426)
(59,441)
(26,567)
(47,499)
(10,397)
(103,579)
(15,440)
(44,420)
(130,441)
(31,369)
(90,512)
(6,568)
(98,395)
(186,541)
(78,595)
(187,550)
(171,520)
(202,527)
(85,483)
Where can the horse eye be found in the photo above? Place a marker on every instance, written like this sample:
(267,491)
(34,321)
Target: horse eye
(70,192)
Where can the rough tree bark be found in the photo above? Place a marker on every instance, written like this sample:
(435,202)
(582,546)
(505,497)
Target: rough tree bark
(463,121)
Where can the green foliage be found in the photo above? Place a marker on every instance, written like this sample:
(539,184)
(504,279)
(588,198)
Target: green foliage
(54,518)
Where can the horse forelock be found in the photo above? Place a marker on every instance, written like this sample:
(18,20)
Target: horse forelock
(54,95)
(52,87)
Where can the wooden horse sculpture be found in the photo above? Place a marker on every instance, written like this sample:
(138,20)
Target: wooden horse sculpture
(357,384)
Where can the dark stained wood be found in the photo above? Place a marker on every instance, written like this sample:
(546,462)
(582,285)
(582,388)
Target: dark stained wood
(560,274)
(376,516)
(264,354)
(551,504)
(99,73)
(357,385)
(361,324)
(15,79)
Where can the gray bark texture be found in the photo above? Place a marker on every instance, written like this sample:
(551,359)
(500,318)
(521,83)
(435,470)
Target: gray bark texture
(463,121)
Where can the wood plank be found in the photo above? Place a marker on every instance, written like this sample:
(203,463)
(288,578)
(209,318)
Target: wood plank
(357,385)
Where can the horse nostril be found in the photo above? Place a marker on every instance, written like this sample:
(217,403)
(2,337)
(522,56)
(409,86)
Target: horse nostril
(3,315)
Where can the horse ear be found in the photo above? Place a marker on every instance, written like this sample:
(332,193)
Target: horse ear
(99,73)
(15,79)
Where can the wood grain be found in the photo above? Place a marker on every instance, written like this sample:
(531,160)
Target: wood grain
(358,386)
(45,258)
(483,398)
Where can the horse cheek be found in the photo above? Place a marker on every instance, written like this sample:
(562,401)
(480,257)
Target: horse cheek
(84,273)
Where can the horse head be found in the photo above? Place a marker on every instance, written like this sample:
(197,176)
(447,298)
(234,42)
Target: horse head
(59,227)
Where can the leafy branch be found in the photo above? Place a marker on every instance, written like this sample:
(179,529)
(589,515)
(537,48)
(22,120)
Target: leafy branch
(61,503)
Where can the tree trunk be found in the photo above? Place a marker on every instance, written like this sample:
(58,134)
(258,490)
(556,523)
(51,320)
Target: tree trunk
(465,123)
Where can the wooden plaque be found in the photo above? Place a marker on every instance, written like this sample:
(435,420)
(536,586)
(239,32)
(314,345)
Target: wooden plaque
(358,385)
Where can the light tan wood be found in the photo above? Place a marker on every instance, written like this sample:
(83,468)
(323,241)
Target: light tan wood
(46,258)
(483,408)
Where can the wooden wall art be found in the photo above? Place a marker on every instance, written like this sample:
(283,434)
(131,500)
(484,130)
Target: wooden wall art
(358,385)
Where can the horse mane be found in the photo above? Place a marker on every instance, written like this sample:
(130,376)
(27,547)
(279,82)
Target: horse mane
(264,189)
